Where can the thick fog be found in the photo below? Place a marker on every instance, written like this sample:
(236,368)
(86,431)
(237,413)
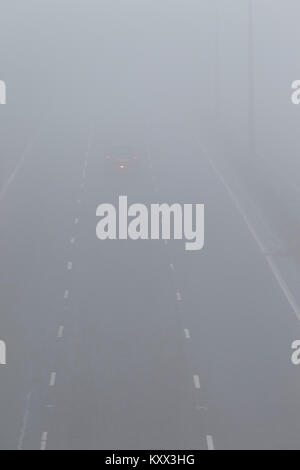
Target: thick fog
(141,344)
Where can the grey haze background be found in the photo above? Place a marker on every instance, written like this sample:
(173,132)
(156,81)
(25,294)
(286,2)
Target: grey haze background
(187,83)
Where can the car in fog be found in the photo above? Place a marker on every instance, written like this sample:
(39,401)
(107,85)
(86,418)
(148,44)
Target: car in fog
(122,157)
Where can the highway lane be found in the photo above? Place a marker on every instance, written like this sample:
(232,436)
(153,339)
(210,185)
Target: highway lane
(137,344)
(122,379)
(33,217)
(242,336)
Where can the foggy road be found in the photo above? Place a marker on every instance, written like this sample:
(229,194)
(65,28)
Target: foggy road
(138,344)
(142,344)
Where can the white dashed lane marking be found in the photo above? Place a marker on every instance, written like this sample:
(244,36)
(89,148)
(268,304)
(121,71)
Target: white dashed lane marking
(52,379)
(178,296)
(44,441)
(172,267)
(210,443)
(60,331)
(197,381)
(187,333)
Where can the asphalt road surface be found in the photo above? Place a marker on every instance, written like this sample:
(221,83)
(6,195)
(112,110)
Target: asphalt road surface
(137,344)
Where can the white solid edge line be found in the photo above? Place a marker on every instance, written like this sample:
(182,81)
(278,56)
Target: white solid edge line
(25,422)
(281,282)
(29,146)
